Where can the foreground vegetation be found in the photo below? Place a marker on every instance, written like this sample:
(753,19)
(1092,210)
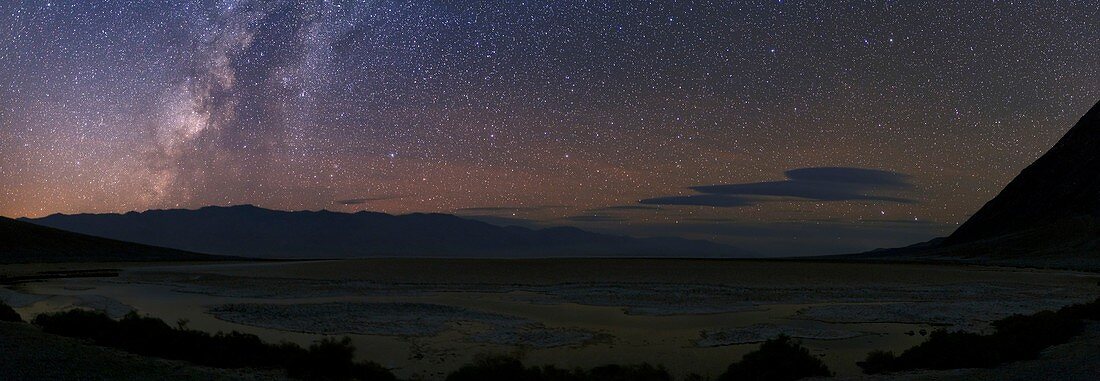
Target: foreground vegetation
(1015,338)
(326,360)
(9,314)
(780,359)
(512,369)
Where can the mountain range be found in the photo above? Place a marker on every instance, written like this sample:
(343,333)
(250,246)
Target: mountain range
(251,231)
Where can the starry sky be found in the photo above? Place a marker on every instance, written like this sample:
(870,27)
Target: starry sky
(782,127)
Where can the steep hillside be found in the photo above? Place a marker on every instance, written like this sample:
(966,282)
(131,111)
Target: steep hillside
(22,242)
(1048,216)
(1062,187)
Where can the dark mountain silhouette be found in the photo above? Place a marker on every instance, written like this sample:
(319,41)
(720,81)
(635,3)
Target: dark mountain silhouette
(1062,186)
(262,233)
(1048,216)
(22,242)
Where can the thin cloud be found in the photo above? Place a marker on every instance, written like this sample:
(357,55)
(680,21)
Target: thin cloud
(624,208)
(595,218)
(816,184)
(367,200)
(499,209)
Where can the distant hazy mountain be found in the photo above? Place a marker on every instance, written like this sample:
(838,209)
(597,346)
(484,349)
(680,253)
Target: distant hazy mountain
(1048,216)
(262,233)
(22,242)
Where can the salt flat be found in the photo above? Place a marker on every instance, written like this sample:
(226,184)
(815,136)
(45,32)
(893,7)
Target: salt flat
(427,316)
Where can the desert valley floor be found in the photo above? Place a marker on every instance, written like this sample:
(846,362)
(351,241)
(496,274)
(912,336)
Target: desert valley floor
(425,317)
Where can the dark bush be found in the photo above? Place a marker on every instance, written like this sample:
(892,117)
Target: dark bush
(76,323)
(695,377)
(878,362)
(1086,311)
(643,372)
(1015,338)
(496,368)
(332,359)
(507,368)
(326,360)
(1023,337)
(9,314)
(950,350)
(779,359)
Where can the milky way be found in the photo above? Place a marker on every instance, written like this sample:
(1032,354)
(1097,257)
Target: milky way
(546,112)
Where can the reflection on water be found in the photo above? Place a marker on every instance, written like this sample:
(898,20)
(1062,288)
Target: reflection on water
(430,328)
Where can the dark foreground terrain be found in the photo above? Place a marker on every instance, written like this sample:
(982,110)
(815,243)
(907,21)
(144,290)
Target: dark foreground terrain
(31,354)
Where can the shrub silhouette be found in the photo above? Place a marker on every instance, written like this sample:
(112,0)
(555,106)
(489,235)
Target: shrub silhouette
(496,368)
(1024,337)
(878,361)
(328,359)
(9,314)
(942,350)
(779,359)
(508,368)
(643,372)
(1086,311)
(1015,338)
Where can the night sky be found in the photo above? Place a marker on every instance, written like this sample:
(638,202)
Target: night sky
(782,127)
